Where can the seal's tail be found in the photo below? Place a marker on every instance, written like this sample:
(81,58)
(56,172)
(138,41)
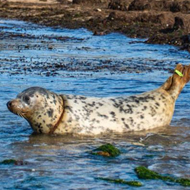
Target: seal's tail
(175,83)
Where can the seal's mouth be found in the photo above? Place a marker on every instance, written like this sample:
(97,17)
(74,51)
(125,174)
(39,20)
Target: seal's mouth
(12,107)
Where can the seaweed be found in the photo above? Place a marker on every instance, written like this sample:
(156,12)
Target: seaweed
(145,173)
(107,150)
(121,181)
(8,161)
(13,162)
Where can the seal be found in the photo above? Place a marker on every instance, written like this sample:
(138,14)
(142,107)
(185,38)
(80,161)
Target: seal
(50,113)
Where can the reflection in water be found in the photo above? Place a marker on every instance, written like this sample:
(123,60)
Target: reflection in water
(54,162)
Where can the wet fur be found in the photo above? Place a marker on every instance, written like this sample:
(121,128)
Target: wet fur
(49,113)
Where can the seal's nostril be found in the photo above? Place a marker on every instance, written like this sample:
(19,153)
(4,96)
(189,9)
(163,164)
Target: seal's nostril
(9,104)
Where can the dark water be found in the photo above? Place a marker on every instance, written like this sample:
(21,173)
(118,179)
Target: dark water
(76,62)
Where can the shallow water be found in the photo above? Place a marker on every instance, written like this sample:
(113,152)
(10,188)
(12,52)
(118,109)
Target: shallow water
(76,62)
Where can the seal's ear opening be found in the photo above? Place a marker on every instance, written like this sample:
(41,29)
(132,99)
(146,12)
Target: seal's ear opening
(175,83)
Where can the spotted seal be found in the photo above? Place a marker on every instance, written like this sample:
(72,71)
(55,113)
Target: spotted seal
(49,113)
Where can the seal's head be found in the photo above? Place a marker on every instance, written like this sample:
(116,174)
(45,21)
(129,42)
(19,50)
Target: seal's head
(41,108)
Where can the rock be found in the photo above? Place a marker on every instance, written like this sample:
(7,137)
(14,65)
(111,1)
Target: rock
(119,4)
(89,1)
(13,162)
(107,150)
(179,24)
(181,6)
(99,10)
(175,7)
(140,5)
(156,139)
(111,16)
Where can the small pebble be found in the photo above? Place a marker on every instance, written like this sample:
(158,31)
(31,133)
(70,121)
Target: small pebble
(98,10)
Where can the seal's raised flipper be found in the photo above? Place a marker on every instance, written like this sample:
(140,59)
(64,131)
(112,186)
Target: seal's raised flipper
(175,83)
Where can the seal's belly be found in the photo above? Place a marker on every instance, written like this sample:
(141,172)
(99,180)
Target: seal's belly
(86,115)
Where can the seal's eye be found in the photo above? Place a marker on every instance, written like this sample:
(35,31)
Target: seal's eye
(26,99)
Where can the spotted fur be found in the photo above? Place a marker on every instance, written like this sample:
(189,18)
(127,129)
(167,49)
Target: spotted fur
(61,114)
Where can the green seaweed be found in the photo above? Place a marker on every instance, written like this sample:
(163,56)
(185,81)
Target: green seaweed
(8,161)
(183,181)
(107,150)
(121,181)
(13,162)
(145,173)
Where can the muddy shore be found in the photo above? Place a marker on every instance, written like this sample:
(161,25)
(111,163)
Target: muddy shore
(160,21)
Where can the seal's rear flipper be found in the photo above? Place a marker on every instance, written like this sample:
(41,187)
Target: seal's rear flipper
(175,83)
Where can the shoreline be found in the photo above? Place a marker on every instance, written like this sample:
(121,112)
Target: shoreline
(159,24)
